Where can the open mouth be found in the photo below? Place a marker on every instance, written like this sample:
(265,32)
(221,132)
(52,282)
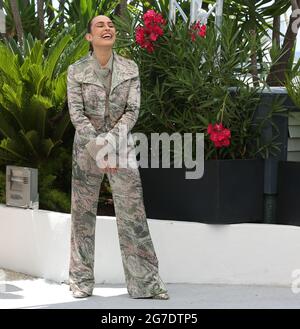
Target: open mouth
(107,36)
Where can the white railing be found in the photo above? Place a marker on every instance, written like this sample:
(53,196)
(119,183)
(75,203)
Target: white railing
(199,14)
(196,12)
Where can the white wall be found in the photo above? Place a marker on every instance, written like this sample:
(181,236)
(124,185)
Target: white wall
(36,242)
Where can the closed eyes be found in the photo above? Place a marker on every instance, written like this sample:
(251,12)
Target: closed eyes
(101,25)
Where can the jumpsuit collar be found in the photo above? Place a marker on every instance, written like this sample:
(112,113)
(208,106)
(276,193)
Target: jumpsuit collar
(121,70)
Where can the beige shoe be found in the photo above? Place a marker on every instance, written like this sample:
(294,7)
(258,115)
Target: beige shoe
(161,296)
(79,293)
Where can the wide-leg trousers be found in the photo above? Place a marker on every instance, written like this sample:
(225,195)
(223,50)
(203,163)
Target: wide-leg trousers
(139,258)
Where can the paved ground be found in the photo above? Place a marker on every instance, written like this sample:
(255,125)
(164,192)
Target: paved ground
(22,291)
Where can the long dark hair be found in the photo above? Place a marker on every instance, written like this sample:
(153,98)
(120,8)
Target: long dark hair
(89,31)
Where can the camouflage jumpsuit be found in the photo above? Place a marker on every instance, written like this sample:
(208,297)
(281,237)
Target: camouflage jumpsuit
(96,110)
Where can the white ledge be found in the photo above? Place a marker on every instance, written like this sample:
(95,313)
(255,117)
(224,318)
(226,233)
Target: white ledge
(36,242)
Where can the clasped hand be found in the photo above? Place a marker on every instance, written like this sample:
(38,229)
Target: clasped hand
(94,146)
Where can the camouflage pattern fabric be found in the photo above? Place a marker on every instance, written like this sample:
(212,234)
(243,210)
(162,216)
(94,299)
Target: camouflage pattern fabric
(87,107)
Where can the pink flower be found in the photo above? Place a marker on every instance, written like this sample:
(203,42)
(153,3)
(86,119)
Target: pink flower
(219,135)
(197,29)
(149,33)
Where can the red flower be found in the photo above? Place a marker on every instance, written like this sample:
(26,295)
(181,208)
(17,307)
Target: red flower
(152,29)
(209,128)
(219,135)
(193,37)
(149,46)
(151,17)
(140,35)
(202,31)
(197,29)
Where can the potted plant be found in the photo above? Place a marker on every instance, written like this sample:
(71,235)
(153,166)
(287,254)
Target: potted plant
(187,88)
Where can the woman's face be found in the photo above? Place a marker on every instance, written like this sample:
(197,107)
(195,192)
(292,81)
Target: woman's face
(103,32)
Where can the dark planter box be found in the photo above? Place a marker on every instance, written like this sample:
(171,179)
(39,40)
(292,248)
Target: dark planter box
(264,108)
(288,204)
(280,175)
(268,133)
(230,191)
